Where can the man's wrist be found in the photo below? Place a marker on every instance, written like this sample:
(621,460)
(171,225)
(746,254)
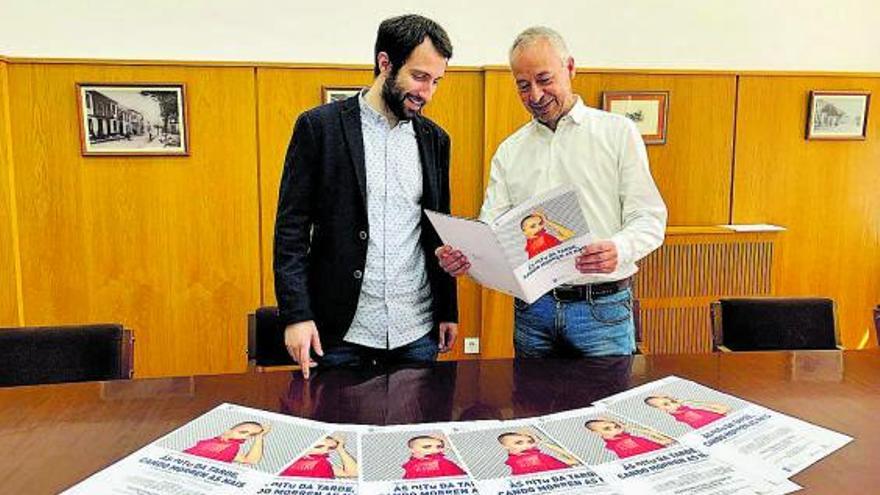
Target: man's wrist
(624,256)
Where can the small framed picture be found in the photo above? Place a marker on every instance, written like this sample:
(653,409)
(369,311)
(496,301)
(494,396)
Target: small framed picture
(648,109)
(840,115)
(132,119)
(329,94)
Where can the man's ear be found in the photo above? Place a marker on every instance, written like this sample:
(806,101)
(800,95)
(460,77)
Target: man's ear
(384,63)
(569,66)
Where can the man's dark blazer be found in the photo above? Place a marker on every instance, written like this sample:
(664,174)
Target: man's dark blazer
(321,228)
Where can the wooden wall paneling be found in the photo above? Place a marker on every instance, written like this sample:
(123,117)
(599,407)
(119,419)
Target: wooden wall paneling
(149,241)
(168,246)
(10,280)
(504,114)
(285,93)
(824,192)
(692,170)
(457,107)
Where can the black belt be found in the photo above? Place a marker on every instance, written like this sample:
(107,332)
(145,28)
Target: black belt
(570,293)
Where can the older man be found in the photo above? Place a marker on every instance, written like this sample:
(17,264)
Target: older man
(351,241)
(603,155)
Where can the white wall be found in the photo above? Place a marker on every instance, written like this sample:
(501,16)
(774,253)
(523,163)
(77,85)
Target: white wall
(713,34)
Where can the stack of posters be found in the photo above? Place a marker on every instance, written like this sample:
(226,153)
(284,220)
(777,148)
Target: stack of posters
(670,436)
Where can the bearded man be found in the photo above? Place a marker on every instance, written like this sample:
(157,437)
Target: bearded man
(352,245)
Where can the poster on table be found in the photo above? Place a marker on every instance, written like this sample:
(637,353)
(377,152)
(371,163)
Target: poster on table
(234,450)
(412,460)
(727,427)
(642,460)
(515,457)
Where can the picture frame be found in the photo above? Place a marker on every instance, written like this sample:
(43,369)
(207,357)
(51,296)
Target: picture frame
(838,115)
(329,94)
(648,109)
(133,119)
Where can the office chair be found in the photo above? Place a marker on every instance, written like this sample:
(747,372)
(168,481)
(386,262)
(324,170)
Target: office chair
(266,341)
(774,323)
(41,355)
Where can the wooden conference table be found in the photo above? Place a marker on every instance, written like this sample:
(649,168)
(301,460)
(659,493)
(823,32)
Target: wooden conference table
(52,436)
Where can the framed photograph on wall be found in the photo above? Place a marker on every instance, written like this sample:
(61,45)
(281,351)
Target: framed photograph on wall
(132,119)
(838,115)
(648,109)
(329,94)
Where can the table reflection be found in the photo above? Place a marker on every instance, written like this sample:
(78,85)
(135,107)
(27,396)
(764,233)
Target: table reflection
(450,391)
(542,387)
(378,396)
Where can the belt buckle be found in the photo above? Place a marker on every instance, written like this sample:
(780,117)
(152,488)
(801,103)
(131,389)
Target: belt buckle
(559,294)
(565,294)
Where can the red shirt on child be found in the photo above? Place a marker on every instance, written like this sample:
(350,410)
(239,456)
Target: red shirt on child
(533,461)
(216,448)
(430,466)
(311,466)
(540,243)
(695,418)
(626,445)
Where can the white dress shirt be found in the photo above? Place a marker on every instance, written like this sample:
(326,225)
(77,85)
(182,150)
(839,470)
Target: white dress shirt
(604,157)
(394,306)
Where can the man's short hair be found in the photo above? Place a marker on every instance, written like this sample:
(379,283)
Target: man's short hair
(535,33)
(399,36)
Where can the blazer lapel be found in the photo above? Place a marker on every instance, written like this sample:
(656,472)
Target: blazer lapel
(428,157)
(354,138)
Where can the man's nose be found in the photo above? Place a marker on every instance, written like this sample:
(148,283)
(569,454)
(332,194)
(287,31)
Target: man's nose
(426,91)
(535,94)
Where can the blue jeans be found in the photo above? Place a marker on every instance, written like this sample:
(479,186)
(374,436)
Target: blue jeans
(422,350)
(599,327)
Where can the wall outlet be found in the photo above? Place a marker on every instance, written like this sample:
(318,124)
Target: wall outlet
(472,345)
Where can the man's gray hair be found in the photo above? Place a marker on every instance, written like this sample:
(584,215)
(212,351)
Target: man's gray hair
(535,33)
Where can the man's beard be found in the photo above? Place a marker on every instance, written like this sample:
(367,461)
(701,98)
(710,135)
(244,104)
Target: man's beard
(394,97)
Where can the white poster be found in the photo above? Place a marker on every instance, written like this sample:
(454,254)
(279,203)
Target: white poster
(514,457)
(528,250)
(729,428)
(641,460)
(412,460)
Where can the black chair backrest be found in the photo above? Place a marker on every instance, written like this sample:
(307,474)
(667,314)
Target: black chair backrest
(269,338)
(777,324)
(39,355)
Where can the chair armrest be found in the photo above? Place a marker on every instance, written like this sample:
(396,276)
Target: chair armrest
(126,354)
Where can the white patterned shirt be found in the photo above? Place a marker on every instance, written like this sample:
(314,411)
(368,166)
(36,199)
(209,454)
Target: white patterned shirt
(604,157)
(394,307)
